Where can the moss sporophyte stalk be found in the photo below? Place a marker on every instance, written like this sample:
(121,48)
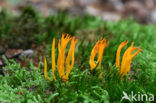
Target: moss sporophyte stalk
(61,62)
(126,59)
(98,48)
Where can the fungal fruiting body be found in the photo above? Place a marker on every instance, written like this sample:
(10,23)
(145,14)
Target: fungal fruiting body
(98,48)
(127,57)
(61,61)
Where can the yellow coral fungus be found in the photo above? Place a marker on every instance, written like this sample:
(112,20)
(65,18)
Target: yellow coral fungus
(118,53)
(70,54)
(98,48)
(63,42)
(45,69)
(126,59)
(53,58)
